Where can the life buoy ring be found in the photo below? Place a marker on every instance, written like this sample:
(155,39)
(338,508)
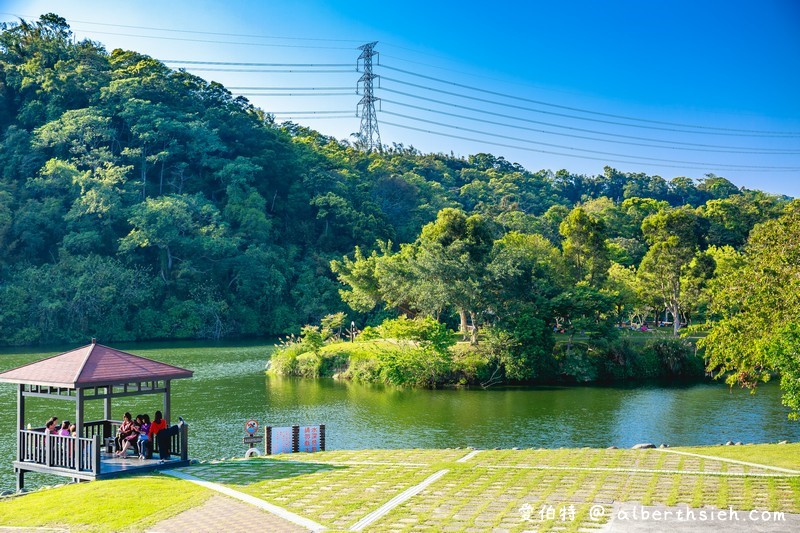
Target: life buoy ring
(252,452)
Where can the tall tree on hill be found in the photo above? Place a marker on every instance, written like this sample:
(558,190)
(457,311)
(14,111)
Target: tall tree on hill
(585,249)
(674,237)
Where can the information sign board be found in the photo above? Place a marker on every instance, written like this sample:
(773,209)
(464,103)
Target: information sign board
(309,439)
(281,440)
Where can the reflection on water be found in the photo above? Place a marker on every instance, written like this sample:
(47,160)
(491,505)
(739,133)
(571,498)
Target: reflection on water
(230,387)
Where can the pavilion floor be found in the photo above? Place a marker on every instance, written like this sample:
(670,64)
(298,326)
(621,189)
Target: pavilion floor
(111,466)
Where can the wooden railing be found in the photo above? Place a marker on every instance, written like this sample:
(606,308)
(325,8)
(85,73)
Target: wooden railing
(60,451)
(82,454)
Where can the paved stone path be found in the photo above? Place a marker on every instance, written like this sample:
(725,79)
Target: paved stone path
(221,513)
(634,518)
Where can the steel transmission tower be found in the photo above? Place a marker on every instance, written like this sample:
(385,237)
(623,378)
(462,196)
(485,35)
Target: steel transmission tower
(369,133)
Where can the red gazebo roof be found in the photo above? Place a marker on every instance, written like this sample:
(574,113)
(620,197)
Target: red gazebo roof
(92,365)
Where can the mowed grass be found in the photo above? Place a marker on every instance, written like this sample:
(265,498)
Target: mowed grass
(515,490)
(780,455)
(128,504)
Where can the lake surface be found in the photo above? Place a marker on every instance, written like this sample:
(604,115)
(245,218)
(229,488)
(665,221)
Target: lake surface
(230,387)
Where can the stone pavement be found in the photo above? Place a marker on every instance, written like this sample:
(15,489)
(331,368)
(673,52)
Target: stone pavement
(635,518)
(221,513)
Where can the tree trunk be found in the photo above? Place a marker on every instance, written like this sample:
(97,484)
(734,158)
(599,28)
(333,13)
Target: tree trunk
(676,318)
(462,328)
(474,334)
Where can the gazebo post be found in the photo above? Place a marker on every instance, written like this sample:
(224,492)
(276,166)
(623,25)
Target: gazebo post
(107,404)
(167,390)
(79,426)
(20,426)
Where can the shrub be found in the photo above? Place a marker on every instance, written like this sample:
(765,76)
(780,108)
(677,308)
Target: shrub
(411,366)
(283,361)
(669,357)
(423,330)
(580,362)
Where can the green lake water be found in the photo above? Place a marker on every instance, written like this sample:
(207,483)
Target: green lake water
(230,386)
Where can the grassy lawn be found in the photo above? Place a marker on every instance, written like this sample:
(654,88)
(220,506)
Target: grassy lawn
(128,504)
(493,489)
(780,455)
(516,490)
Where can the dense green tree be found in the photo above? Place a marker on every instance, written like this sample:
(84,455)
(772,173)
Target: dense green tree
(228,223)
(758,304)
(585,248)
(674,237)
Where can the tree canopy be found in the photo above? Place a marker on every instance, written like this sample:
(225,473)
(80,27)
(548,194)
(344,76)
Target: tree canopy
(141,202)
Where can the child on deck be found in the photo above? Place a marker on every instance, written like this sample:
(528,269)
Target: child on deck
(145,449)
(65,429)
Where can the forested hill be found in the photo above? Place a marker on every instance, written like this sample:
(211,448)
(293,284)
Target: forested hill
(139,202)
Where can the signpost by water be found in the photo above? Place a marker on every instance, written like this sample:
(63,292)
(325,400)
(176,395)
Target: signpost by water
(250,429)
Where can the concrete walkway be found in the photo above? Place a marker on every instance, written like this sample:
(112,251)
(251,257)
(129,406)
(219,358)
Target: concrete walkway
(221,513)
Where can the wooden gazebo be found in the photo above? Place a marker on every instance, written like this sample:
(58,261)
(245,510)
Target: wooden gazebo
(92,372)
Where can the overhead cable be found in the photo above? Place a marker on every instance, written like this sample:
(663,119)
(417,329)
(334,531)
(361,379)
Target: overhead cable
(165,38)
(531,121)
(528,149)
(234,63)
(729,149)
(562,147)
(581,110)
(174,30)
(533,110)
(290,71)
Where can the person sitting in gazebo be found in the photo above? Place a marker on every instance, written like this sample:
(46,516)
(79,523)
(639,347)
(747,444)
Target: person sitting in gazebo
(128,434)
(164,437)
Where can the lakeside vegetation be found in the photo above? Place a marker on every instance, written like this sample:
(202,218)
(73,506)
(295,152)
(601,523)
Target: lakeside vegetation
(422,352)
(139,202)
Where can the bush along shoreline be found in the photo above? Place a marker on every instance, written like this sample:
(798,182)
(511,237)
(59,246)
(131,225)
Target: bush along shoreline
(422,352)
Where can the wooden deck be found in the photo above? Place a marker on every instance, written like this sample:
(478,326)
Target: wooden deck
(87,458)
(110,467)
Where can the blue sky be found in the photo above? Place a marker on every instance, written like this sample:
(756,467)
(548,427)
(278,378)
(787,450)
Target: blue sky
(698,83)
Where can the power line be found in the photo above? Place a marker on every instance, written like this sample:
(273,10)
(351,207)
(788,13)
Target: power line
(292,94)
(233,63)
(644,158)
(731,149)
(213,42)
(289,89)
(292,71)
(531,121)
(581,110)
(473,75)
(527,149)
(532,110)
(173,30)
(292,119)
(310,112)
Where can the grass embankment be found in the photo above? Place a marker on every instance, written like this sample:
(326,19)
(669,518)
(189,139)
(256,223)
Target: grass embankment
(128,504)
(490,490)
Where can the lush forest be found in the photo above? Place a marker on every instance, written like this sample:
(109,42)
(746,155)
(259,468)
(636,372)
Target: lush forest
(141,202)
